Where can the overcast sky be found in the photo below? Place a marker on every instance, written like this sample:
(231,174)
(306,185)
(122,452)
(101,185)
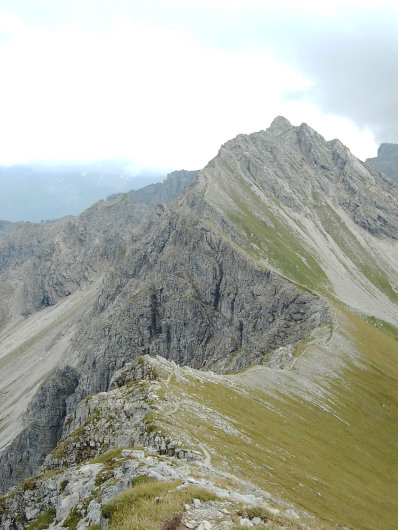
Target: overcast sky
(165,83)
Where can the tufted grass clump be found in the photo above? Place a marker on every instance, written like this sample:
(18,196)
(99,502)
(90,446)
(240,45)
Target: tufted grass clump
(73,519)
(29,484)
(151,504)
(43,521)
(107,458)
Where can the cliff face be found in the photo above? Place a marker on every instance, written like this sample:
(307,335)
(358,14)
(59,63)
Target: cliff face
(164,192)
(45,417)
(186,294)
(386,160)
(42,263)
(223,278)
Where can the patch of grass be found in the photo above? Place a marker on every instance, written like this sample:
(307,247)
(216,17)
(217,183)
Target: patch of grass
(73,519)
(333,454)
(388,328)
(77,433)
(151,505)
(150,421)
(269,520)
(43,521)
(60,451)
(274,240)
(121,254)
(138,293)
(102,477)
(49,474)
(29,484)
(141,479)
(254,511)
(107,457)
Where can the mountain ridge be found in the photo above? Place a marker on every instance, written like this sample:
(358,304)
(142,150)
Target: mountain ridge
(290,197)
(245,267)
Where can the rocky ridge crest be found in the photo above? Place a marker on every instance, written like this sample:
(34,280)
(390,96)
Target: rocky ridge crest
(89,467)
(196,283)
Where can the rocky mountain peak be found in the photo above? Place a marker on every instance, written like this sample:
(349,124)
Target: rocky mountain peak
(297,167)
(386,160)
(386,150)
(279,125)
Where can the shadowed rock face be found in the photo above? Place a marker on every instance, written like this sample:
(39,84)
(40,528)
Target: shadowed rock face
(44,420)
(182,292)
(386,160)
(164,192)
(186,294)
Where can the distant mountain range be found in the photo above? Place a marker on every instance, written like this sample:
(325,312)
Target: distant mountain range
(43,191)
(386,160)
(36,191)
(161,192)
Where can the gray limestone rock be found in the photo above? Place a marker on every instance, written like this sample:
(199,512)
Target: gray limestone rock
(298,167)
(44,424)
(386,160)
(164,192)
(45,262)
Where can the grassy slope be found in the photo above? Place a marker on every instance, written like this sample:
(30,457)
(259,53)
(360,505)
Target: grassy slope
(354,461)
(333,456)
(339,465)
(271,238)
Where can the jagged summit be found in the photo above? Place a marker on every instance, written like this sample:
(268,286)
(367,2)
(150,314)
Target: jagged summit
(315,205)
(279,125)
(387,150)
(300,166)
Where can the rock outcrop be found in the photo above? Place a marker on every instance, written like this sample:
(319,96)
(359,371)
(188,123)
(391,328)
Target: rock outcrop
(44,420)
(186,294)
(386,160)
(96,459)
(164,192)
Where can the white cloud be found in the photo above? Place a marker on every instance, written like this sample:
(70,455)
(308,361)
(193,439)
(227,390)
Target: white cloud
(155,95)
(360,142)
